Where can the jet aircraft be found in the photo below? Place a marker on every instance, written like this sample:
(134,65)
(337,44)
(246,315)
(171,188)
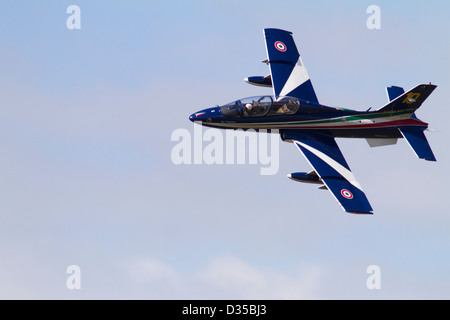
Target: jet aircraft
(312,127)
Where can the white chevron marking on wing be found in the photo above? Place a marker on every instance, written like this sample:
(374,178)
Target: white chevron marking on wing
(347,174)
(298,76)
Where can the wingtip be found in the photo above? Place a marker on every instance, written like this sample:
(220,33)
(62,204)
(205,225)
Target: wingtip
(361,213)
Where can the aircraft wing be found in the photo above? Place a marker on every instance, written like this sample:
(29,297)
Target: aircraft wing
(289,75)
(326,158)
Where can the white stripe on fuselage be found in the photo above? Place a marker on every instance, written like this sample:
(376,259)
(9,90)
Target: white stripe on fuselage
(320,123)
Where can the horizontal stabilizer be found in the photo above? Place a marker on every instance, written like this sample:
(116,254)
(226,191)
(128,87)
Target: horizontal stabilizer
(409,101)
(393,92)
(418,142)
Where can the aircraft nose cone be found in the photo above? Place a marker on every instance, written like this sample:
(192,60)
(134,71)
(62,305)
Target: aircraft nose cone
(198,116)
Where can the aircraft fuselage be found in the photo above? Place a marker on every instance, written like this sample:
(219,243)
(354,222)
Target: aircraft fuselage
(337,122)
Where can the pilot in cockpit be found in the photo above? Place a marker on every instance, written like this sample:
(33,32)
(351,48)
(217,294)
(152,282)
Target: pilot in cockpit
(283,109)
(253,107)
(248,109)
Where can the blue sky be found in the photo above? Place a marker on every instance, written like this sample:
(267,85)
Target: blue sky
(86,118)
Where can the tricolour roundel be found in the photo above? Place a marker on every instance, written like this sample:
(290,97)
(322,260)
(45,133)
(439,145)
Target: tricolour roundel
(346,194)
(280,46)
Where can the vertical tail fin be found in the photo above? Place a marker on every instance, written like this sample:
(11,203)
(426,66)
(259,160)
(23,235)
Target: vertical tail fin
(410,100)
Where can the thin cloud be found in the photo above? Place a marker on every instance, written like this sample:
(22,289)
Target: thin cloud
(223,277)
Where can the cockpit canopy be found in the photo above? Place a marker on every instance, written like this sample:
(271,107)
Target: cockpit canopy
(260,106)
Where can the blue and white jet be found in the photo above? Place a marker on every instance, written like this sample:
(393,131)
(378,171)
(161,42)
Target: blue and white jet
(296,113)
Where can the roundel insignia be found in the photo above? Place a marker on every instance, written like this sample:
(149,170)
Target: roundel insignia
(346,194)
(280,46)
